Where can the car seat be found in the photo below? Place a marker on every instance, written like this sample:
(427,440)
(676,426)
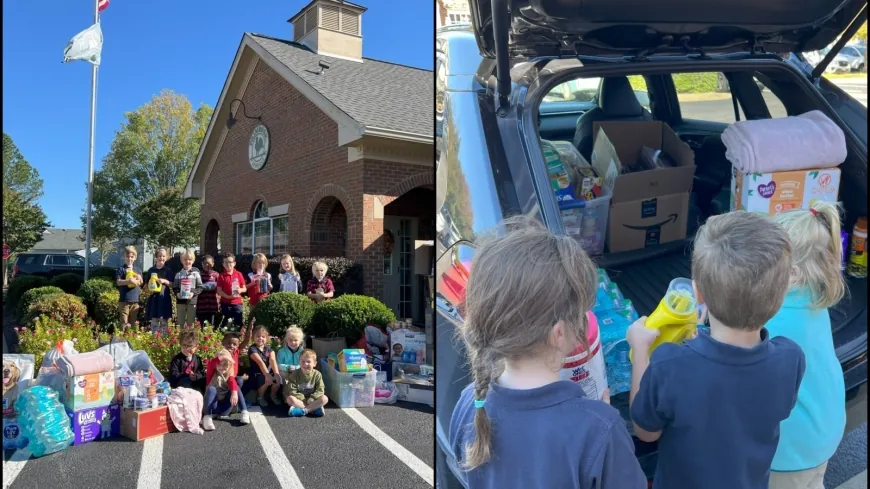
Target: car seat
(616,102)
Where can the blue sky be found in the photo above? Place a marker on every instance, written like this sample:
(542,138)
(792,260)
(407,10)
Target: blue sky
(187,46)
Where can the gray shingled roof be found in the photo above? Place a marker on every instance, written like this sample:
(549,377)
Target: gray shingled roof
(61,239)
(374,93)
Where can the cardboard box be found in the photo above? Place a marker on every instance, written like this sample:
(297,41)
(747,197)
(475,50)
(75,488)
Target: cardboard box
(407,346)
(650,207)
(141,425)
(774,193)
(90,391)
(420,394)
(352,360)
(13,438)
(95,423)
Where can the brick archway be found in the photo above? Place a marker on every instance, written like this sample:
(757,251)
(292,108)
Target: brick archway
(412,182)
(210,240)
(333,195)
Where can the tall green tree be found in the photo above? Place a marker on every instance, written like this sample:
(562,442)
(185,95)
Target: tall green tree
(137,191)
(24,221)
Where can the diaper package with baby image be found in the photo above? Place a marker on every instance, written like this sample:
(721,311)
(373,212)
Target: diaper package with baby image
(17,376)
(98,423)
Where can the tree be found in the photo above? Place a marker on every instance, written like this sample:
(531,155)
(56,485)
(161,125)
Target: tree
(141,180)
(23,219)
(861,34)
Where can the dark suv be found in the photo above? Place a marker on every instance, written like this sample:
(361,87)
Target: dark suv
(522,72)
(48,264)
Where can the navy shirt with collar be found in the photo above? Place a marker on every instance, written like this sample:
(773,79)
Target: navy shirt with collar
(127,294)
(718,407)
(548,437)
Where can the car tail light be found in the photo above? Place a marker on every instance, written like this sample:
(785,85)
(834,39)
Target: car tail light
(15,271)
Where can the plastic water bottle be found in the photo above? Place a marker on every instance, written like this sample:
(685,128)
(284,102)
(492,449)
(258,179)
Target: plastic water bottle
(43,421)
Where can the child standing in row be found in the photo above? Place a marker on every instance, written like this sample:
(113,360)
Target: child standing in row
(320,287)
(813,430)
(230,287)
(264,375)
(258,279)
(288,355)
(159,307)
(290,281)
(207,303)
(715,403)
(518,328)
(222,394)
(186,368)
(129,280)
(304,391)
(187,285)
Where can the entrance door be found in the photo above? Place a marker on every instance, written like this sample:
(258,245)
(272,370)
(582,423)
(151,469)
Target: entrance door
(400,286)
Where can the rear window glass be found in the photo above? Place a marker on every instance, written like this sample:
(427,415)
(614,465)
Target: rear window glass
(705,97)
(59,260)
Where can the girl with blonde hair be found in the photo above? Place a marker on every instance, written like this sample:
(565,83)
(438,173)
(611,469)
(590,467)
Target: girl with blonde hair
(518,329)
(812,432)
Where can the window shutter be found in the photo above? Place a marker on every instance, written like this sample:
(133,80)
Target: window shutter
(310,20)
(349,22)
(329,17)
(299,29)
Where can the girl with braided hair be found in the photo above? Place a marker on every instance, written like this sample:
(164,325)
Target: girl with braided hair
(518,424)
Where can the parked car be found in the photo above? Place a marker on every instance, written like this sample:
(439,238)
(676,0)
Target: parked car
(496,78)
(848,60)
(48,264)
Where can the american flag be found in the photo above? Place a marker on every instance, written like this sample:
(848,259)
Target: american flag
(102,4)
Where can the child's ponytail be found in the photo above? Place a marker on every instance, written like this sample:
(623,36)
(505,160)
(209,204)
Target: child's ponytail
(816,252)
(479,451)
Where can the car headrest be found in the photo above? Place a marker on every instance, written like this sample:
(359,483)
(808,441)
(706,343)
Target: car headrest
(617,99)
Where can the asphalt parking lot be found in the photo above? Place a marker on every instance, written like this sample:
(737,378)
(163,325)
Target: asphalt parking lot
(385,446)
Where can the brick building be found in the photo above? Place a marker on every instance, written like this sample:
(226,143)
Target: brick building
(327,154)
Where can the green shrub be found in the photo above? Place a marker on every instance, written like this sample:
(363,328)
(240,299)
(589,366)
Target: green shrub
(106,308)
(63,308)
(69,282)
(348,316)
(281,309)
(32,296)
(90,291)
(696,82)
(102,272)
(19,285)
(46,332)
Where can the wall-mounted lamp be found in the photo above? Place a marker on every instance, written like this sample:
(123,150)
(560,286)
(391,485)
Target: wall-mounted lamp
(231,120)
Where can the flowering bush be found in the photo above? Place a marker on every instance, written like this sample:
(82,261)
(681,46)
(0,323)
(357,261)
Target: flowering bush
(64,308)
(32,296)
(46,332)
(162,347)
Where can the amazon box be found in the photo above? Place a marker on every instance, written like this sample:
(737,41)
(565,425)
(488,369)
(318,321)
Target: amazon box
(648,207)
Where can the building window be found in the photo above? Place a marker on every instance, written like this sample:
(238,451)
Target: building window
(264,234)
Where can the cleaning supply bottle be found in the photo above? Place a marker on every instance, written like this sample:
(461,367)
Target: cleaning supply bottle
(676,316)
(154,284)
(858,251)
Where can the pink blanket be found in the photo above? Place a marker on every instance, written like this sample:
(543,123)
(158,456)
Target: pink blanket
(92,362)
(185,409)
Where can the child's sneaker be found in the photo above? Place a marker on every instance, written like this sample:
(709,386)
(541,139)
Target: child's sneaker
(207,423)
(245,418)
(275,400)
(317,413)
(262,402)
(296,412)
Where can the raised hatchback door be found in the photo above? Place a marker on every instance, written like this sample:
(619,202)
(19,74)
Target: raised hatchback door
(637,27)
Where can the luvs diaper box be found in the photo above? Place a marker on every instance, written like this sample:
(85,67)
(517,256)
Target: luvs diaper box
(90,391)
(775,193)
(98,423)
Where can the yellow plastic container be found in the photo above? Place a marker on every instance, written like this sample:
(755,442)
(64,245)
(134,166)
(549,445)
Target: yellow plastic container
(676,316)
(130,276)
(154,284)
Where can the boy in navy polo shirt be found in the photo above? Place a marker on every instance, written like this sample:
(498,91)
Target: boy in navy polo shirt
(715,402)
(128,279)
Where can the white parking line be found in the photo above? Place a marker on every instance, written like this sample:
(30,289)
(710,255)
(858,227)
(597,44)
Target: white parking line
(281,465)
(418,466)
(13,466)
(151,468)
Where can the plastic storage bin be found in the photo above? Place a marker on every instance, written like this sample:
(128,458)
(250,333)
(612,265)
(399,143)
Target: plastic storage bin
(138,360)
(586,222)
(349,390)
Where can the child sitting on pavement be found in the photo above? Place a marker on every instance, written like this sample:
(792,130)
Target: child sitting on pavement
(715,403)
(518,328)
(304,391)
(288,355)
(264,375)
(186,368)
(234,345)
(223,394)
(812,433)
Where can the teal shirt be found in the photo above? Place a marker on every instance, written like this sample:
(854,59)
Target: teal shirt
(812,432)
(286,356)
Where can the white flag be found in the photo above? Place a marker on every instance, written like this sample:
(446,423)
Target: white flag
(87,45)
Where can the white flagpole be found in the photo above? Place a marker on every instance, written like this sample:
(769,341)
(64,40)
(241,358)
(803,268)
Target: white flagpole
(91,156)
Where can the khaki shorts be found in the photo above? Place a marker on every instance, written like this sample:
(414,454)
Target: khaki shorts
(186,314)
(129,312)
(802,479)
